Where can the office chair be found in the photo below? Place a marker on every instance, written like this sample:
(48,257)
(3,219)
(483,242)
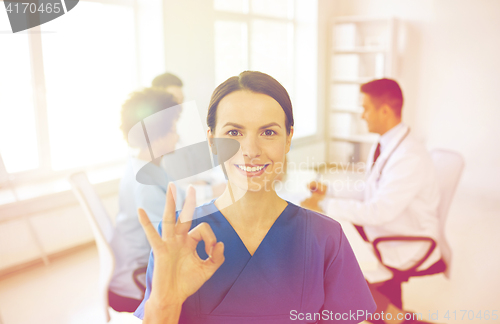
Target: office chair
(448,166)
(102,228)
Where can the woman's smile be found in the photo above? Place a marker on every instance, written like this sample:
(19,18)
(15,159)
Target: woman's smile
(251,170)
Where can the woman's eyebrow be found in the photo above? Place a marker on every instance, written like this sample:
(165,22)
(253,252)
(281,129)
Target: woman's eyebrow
(270,125)
(243,127)
(234,125)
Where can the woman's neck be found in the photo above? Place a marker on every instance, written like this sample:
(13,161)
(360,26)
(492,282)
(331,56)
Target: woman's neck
(254,210)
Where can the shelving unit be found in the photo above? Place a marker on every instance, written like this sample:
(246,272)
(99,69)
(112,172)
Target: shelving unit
(361,49)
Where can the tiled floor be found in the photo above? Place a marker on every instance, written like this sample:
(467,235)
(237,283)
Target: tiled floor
(64,292)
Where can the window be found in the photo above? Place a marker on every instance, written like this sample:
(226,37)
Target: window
(83,115)
(18,138)
(276,37)
(63,84)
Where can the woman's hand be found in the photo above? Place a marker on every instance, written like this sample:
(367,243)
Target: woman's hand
(178,270)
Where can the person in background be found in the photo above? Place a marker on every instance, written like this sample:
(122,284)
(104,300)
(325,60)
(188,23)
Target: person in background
(209,184)
(400,197)
(171,84)
(129,243)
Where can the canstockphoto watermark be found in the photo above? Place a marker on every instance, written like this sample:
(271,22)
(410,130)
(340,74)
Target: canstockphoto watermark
(358,315)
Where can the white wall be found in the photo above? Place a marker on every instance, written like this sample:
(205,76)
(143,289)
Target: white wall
(449,69)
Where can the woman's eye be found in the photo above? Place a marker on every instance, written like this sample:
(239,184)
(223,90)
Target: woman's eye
(233,132)
(269,132)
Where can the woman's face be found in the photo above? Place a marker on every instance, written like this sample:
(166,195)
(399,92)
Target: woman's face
(257,122)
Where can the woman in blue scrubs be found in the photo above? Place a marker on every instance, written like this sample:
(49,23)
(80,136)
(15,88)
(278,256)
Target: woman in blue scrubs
(250,256)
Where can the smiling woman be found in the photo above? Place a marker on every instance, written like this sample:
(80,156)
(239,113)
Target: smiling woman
(257,257)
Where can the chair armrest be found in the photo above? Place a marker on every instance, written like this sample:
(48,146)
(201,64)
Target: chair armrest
(405,238)
(135,276)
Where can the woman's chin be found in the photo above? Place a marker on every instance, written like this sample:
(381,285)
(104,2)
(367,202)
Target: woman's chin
(251,186)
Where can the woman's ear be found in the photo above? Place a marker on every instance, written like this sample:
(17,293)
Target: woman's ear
(211,142)
(289,139)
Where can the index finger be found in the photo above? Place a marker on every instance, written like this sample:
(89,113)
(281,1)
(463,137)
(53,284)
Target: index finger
(186,215)
(168,227)
(151,233)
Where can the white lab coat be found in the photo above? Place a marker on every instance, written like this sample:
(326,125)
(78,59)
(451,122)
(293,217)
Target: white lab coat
(401,200)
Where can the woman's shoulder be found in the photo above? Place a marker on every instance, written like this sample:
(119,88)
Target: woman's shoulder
(323,234)
(318,225)
(315,218)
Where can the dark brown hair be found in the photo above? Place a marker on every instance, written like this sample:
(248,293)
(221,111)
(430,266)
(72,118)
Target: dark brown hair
(253,81)
(385,91)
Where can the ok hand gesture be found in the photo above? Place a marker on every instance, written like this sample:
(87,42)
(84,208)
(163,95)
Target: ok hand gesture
(178,270)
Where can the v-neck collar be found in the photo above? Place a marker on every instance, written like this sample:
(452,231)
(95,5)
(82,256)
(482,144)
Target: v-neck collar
(277,221)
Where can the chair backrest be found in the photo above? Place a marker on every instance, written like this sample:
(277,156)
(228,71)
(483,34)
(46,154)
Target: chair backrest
(102,228)
(449,166)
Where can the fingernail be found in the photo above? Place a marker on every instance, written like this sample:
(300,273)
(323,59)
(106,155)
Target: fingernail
(210,252)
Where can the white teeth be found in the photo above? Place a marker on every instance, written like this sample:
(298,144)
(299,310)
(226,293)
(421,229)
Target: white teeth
(250,169)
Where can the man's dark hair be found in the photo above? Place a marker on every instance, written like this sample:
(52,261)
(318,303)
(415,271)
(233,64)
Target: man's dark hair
(145,103)
(165,80)
(384,91)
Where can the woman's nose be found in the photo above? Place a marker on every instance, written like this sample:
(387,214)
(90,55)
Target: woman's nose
(250,147)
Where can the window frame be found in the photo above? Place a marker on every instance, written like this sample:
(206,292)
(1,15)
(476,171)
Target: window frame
(220,15)
(45,172)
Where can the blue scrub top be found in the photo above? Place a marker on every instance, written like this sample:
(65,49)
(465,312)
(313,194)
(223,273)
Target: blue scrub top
(304,271)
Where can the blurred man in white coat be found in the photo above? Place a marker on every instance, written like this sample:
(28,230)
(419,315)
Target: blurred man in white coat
(399,199)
